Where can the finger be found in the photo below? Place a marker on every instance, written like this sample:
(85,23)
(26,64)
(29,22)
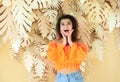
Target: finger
(71,32)
(62,34)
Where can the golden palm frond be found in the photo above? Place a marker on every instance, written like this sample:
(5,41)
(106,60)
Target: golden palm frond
(40,45)
(27,41)
(17,56)
(35,4)
(33,77)
(98,47)
(28,60)
(95,11)
(7,24)
(50,15)
(112,3)
(43,25)
(22,14)
(39,67)
(66,6)
(100,31)
(113,20)
(84,30)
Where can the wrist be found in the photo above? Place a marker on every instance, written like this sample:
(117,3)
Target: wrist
(70,43)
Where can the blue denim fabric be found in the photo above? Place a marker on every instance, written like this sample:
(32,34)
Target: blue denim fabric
(72,77)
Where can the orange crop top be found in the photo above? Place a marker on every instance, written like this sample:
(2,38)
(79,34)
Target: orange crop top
(67,56)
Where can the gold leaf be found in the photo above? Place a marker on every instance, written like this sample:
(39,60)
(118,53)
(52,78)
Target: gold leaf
(35,4)
(66,6)
(96,12)
(98,47)
(84,30)
(7,24)
(100,31)
(22,14)
(43,25)
(39,67)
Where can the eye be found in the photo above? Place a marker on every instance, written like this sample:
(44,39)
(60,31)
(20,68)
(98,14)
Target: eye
(69,23)
(61,24)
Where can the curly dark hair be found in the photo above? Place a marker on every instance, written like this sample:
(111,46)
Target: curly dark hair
(74,23)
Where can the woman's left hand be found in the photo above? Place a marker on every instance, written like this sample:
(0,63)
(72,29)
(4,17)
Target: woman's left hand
(69,37)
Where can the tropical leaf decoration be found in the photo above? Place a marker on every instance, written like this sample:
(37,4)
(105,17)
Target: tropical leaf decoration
(98,47)
(40,67)
(22,14)
(35,4)
(95,11)
(114,20)
(40,45)
(29,25)
(7,26)
(70,6)
(112,3)
(43,25)
(84,30)
(100,31)
(29,61)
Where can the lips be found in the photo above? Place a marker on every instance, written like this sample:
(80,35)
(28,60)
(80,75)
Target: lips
(66,30)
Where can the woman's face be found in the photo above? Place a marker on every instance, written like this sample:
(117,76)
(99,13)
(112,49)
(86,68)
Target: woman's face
(66,26)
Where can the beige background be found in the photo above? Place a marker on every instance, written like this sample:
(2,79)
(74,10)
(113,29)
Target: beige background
(106,71)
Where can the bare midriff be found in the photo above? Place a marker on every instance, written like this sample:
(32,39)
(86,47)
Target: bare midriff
(67,71)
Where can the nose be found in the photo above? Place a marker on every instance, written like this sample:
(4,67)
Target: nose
(66,25)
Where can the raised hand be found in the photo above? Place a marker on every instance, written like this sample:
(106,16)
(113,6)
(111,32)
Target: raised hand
(64,39)
(69,39)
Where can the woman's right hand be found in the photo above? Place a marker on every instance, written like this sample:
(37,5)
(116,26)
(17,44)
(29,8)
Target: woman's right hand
(64,39)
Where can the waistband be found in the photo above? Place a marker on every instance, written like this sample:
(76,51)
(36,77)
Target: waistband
(69,75)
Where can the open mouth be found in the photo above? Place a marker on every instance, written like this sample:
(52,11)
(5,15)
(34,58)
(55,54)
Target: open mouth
(66,30)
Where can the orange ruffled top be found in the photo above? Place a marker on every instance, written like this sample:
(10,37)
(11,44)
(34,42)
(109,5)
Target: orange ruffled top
(67,56)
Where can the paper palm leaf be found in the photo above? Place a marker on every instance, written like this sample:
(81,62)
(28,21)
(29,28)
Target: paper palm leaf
(50,15)
(40,45)
(22,14)
(33,76)
(17,56)
(43,3)
(7,24)
(99,31)
(27,41)
(96,12)
(114,20)
(84,30)
(112,3)
(40,68)
(97,46)
(66,6)
(43,25)
(28,61)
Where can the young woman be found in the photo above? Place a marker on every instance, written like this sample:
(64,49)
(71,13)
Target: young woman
(67,52)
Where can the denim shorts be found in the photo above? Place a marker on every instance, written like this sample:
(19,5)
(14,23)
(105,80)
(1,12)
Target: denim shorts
(72,77)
